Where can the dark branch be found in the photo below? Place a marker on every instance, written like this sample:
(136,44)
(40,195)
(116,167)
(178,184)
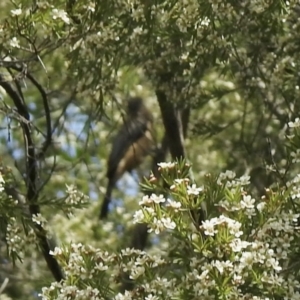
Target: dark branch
(43,93)
(172,124)
(48,140)
(31,176)
(176,123)
(185,117)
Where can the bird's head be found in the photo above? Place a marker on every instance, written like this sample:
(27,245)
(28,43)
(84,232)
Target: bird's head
(134,105)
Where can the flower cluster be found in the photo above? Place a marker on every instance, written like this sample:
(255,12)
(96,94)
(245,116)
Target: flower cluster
(148,213)
(81,262)
(60,14)
(224,223)
(74,199)
(225,254)
(240,265)
(17,241)
(231,181)
(15,238)
(7,202)
(294,124)
(85,265)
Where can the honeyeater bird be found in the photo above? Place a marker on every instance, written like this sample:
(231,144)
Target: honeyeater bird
(130,146)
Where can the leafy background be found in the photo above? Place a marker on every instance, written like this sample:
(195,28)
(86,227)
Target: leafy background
(235,65)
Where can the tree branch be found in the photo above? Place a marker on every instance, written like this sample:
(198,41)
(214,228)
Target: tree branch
(48,140)
(31,176)
(43,93)
(172,124)
(175,123)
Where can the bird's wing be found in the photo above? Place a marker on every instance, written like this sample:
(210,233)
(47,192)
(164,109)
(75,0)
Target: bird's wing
(130,133)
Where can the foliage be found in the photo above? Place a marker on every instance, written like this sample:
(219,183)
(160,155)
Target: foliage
(244,250)
(65,69)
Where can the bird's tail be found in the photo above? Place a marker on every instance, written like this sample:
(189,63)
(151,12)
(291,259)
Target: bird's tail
(106,200)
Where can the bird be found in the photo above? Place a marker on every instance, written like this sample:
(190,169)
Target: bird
(133,142)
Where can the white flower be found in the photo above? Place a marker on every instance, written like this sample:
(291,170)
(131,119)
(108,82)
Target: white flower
(230,174)
(234,227)
(101,267)
(91,8)
(229,206)
(204,22)
(260,206)
(158,199)
(74,196)
(193,190)
(16,12)
(273,279)
(145,200)
(238,279)
(151,297)
(57,251)
(168,223)
(168,165)
(138,30)
(295,156)
(180,180)
(247,202)
(294,124)
(224,219)
(60,14)
(174,204)
(272,262)
(237,245)
(138,217)
(227,175)
(126,296)
(245,180)
(1,183)
(209,227)
(76,247)
(157,226)
(14,42)
(1,179)
(247,259)
(204,275)
(127,252)
(221,265)
(157,261)
(38,219)
(137,272)
(150,211)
